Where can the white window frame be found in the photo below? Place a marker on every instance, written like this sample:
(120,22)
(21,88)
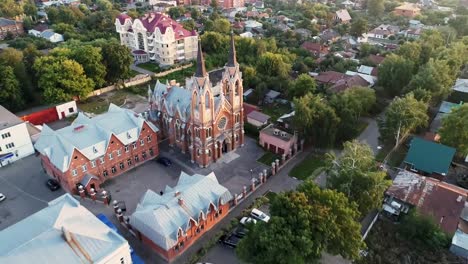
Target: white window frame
(119,153)
(142,142)
(110,156)
(93,164)
(74,172)
(127,149)
(102,160)
(84,168)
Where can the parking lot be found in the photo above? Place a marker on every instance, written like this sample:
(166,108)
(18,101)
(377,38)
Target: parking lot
(23,183)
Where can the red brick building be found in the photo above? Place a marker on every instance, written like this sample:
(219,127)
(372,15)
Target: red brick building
(92,150)
(172,222)
(205,118)
(8,26)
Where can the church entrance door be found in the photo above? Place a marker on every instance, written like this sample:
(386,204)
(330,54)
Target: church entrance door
(225,146)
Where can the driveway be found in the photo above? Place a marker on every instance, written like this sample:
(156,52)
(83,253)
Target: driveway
(23,183)
(371,134)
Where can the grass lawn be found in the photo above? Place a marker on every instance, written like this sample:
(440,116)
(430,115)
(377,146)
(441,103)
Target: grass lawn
(310,166)
(395,158)
(268,158)
(150,66)
(100,104)
(276,110)
(270,195)
(133,73)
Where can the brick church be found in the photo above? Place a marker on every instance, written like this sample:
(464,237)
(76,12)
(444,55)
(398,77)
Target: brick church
(205,118)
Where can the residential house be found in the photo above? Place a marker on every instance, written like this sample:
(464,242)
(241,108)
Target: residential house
(413,33)
(257,119)
(429,158)
(441,201)
(349,82)
(63,232)
(329,36)
(93,150)
(250,25)
(305,33)
(348,4)
(461,86)
(278,141)
(370,79)
(15,141)
(223,4)
(316,49)
(382,33)
(248,108)
(459,244)
(407,10)
(329,77)
(342,16)
(246,35)
(376,59)
(271,96)
(170,223)
(157,37)
(8,26)
(444,110)
(48,34)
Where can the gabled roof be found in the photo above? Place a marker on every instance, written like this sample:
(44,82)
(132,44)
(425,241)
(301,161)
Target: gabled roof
(376,59)
(442,201)
(40,238)
(447,107)
(8,119)
(6,22)
(90,136)
(461,85)
(258,116)
(160,217)
(349,82)
(343,15)
(429,157)
(329,77)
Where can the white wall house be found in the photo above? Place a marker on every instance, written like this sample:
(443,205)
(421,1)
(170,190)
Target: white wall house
(48,34)
(63,232)
(15,142)
(66,109)
(157,37)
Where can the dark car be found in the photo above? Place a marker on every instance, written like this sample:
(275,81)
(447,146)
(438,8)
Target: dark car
(230,240)
(52,184)
(164,161)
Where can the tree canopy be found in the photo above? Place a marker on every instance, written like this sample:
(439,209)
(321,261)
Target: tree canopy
(304,223)
(355,173)
(10,91)
(302,85)
(395,73)
(403,116)
(454,130)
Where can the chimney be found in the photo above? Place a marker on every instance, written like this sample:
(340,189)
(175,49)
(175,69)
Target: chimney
(177,193)
(181,201)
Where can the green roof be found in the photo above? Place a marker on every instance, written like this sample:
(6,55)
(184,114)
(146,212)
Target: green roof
(429,157)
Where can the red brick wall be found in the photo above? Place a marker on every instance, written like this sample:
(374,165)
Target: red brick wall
(191,235)
(68,181)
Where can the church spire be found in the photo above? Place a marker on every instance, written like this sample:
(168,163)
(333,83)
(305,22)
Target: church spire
(201,70)
(232,61)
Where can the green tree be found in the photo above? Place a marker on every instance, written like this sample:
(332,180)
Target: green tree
(10,8)
(176,12)
(358,27)
(304,223)
(61,79)
(15,59)
(423,231)
(350,106)
(271,64)
(460,24)
(435,77)
(214,5)
(91,59)
(410,51)
(403,116)
(195,13)
(303,85)
(454,130)
(395,73)
(104,5)
(10,91)
(116,59)
(189,24)
(355,174)
(375,8)
(316,120)
(30,8)
(222,25)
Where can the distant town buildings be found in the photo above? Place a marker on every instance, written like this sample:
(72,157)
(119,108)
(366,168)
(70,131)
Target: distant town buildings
(224,4)
(342,16)
(171,222)
(157,37)
(63,232)
(15,141)
(206,118)
(92,150)
(12,27)
(48,34)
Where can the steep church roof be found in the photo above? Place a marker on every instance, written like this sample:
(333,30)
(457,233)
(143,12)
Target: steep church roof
(201,70)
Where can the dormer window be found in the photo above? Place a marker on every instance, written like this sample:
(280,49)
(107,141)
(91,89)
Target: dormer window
(95,150)
(128,135)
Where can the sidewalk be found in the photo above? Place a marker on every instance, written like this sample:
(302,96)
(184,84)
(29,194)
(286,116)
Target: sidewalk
(141,70)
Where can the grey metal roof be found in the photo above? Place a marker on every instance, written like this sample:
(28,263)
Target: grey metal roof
(8,119)
(6,22)
(90,135)
(40,237)
(160,217)
(260,117)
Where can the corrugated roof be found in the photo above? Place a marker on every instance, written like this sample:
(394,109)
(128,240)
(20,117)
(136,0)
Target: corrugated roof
(429,157)
(343,15)
(160,217)
(440,200)
(461,85)
(90,136)
(259,116)
(447,107)
(40,237)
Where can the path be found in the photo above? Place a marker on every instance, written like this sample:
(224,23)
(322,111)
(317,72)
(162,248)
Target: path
(141,70)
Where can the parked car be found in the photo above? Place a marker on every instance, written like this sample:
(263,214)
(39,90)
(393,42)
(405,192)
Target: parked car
(2,197)
(230,240)
(259,215)
(164,161)
(245,220)
(52,184)
(241,231)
